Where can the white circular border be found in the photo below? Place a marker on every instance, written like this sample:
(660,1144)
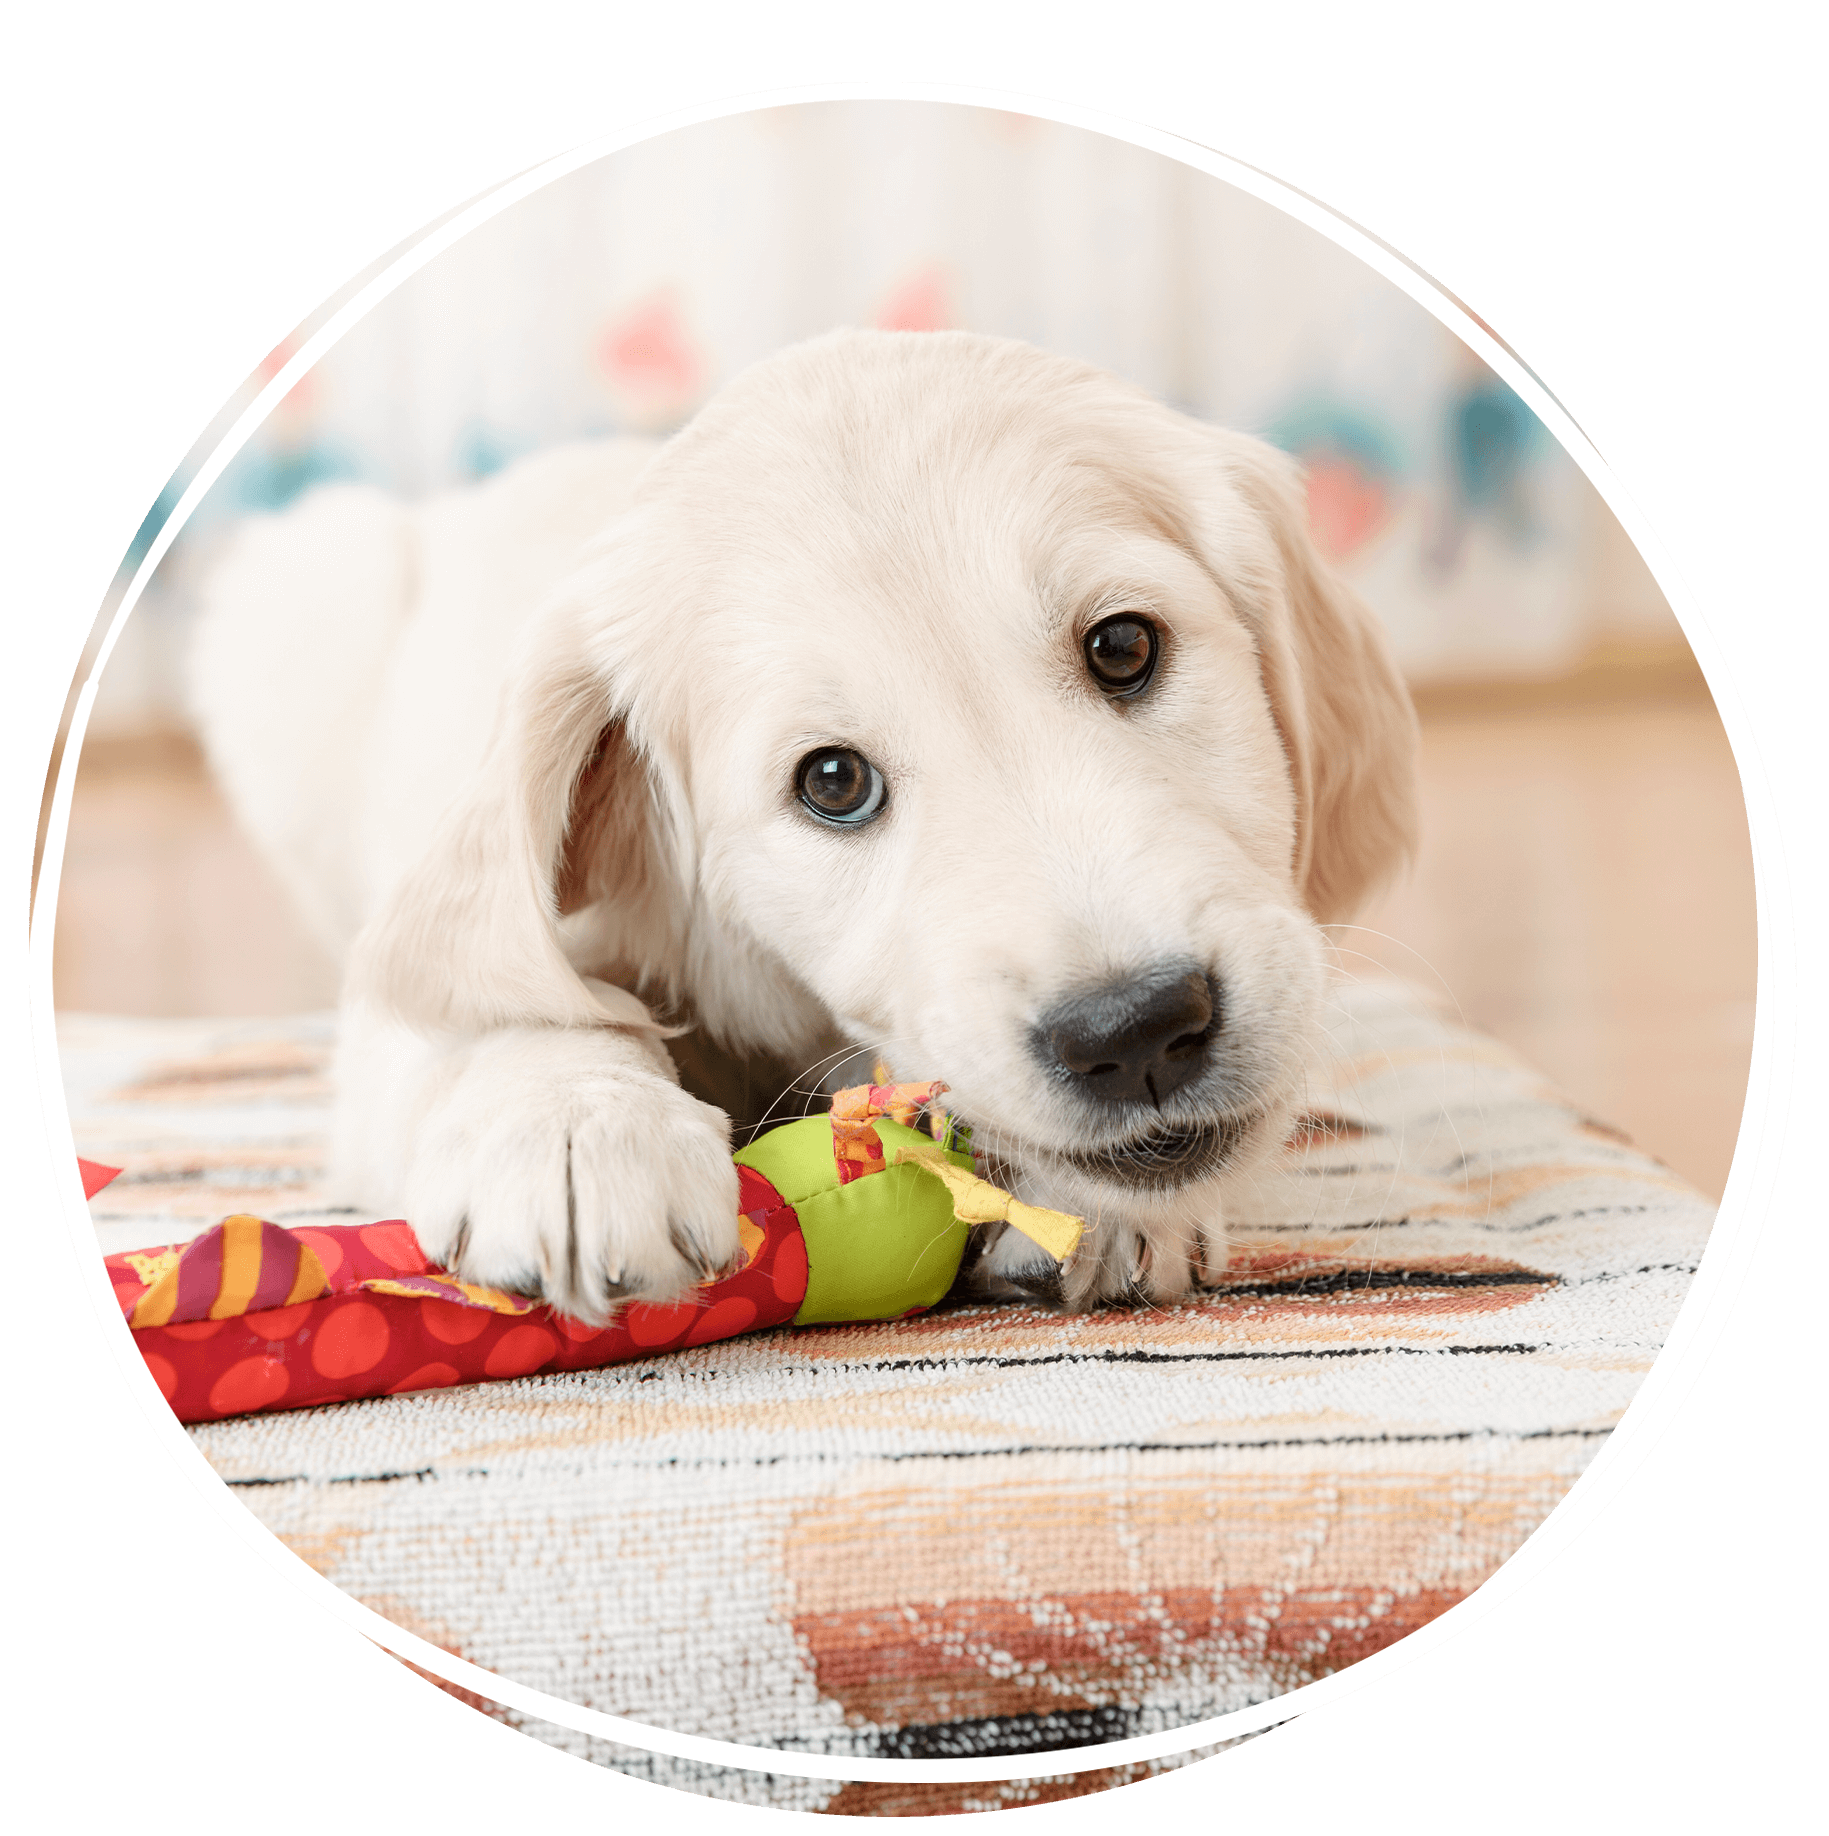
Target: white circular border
(406,261)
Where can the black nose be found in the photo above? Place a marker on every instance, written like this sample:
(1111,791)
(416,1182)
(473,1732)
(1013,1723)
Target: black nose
(1135,1040)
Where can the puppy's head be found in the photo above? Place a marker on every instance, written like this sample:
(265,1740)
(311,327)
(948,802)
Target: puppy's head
(969,699)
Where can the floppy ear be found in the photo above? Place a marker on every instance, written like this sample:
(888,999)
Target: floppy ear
(1346,720)
(563,813)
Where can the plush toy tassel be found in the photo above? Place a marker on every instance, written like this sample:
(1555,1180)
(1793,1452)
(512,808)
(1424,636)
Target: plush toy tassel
(939,1123)
(855,1144)
(977,1201)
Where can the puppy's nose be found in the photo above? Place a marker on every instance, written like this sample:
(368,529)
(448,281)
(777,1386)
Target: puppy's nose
(1135,1040)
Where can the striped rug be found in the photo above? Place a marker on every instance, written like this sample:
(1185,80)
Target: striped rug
(986,1531)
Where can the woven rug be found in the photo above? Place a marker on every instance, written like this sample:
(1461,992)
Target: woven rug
(984,1531)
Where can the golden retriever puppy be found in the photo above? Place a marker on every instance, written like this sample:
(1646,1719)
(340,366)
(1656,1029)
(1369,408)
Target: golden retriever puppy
(928,696)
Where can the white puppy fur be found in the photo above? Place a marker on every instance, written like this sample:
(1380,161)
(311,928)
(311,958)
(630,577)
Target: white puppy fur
(526,755)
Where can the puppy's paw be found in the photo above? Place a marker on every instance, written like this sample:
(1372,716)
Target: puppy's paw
(565,1164)
(1115,1265)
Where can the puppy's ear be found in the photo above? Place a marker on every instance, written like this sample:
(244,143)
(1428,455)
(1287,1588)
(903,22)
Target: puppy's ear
(564,812)
(1346,719)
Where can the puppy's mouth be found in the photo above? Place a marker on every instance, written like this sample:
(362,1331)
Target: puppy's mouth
(1162,1159)
(1165,1158)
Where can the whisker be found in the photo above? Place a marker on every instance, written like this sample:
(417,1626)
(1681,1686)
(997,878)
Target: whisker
(1386,937)
(808,1085)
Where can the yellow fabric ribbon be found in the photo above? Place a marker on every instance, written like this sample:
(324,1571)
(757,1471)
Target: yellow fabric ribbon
(977,1201)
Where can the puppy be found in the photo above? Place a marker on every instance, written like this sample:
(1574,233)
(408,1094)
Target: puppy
(928,696)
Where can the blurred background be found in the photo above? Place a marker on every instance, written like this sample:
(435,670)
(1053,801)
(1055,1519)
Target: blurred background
(1585,888)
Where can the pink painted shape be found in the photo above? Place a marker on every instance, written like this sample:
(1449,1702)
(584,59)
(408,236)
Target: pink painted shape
(919,302)
(649,352)
(95,1176)
(1345,507)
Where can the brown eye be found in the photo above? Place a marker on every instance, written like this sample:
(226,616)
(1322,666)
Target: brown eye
(840,785)
(1121,653)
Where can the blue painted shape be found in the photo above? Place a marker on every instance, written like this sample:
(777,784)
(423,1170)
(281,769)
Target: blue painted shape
(1491,435)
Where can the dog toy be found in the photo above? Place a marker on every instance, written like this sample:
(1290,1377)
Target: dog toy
(855,1215)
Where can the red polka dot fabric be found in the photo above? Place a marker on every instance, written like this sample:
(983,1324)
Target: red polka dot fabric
(387,1322)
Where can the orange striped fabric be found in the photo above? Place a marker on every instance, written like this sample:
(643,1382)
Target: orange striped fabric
(242,1266)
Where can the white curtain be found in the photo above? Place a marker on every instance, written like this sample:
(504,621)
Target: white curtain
(623,295)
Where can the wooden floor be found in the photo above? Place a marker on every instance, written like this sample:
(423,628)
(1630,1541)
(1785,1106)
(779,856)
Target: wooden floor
(1585,892)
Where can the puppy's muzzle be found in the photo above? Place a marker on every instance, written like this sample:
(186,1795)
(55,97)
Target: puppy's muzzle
(1133,1042)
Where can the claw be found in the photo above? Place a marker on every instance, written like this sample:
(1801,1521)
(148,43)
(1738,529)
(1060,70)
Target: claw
(691,1252)
(1208,1267)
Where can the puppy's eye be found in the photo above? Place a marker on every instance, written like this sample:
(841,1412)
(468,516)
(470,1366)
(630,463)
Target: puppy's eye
(839,785)
(1121,653)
